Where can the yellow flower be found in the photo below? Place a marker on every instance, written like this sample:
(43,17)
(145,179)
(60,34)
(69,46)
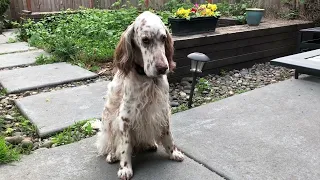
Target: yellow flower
(183,13)
(203,6)
(207,12)
(213,7)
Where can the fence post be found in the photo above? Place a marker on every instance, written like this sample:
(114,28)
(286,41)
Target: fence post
(28,5)
(91,5)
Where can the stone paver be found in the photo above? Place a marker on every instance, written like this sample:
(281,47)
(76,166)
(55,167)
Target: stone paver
(78,161)
(19,59)
(54,111)
(18,80)
(268,133)
(15,47)
(6,35)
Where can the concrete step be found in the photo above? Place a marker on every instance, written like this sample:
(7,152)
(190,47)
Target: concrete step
(15,47)
(79,161)
(23,79)
(54,111)
(20,59)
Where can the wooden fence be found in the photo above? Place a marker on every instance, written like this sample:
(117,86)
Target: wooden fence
(17,6)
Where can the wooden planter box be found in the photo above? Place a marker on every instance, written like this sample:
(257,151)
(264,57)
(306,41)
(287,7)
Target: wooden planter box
(183,27)
(237,47)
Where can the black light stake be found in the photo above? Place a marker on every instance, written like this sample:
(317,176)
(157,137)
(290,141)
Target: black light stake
(197,62)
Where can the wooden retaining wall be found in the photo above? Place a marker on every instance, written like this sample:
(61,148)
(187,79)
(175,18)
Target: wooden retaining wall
(238,46)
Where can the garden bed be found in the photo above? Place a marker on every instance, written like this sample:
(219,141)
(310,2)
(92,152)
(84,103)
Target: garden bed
(238,46)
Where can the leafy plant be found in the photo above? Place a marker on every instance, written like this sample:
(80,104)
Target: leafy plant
(74,133)
(26,125)
(174,5)
(236,10)
(182,107)
(43,59)
(3,92)
(7,152)
(1,124)
(12,40)
(203,85)
(88,36)
(240,91)
(4,4)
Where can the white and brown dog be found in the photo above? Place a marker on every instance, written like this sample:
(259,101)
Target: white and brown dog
(137,112)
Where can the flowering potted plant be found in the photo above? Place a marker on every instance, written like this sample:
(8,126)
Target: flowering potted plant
(199,19)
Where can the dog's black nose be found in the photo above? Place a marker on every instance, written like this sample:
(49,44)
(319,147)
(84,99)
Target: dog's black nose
(162,70)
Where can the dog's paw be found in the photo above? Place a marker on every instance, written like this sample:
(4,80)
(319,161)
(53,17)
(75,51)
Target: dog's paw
(176,155)
(125,173)
(111,158)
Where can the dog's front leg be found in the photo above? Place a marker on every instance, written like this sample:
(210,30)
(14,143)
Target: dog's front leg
(125,171)
(168,144)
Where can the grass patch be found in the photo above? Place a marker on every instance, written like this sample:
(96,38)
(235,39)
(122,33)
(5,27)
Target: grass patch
(20,124)
(78,131)
(241,91)
(7,152)
(3,92)
(182,107)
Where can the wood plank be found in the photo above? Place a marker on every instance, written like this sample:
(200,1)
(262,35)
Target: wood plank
(216,55)
(235,44)
(237,59)
(91,4)
(28,5)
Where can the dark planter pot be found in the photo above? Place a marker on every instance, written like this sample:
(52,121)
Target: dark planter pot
(183,27)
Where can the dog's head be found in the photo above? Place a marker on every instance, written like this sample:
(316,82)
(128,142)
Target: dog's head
(146,43)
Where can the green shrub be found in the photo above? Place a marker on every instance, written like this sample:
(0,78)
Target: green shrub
(4,4)
(236,10)
(87,37)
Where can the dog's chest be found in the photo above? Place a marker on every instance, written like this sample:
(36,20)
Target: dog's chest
(151,108)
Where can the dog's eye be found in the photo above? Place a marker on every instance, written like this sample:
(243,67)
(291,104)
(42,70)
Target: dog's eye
(146,40)
(163,38)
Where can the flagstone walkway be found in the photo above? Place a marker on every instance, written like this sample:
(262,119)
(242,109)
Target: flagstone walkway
(52,111)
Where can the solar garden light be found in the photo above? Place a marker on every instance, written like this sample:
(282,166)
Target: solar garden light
(197,62)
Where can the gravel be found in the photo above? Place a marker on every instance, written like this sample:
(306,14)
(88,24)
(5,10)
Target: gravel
(226,84)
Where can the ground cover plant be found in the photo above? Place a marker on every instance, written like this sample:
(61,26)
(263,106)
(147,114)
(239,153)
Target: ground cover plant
(7,152)
(84,38)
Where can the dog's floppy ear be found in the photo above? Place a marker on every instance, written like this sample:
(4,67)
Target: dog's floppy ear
(123,56)
(169,50)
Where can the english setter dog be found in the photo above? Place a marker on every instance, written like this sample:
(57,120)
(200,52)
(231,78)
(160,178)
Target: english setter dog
(137,112)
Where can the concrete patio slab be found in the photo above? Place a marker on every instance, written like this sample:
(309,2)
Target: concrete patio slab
(15,47)
(55,111)
(78,161)
(7,35)
(20,59)
(268,133)
(23,79)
